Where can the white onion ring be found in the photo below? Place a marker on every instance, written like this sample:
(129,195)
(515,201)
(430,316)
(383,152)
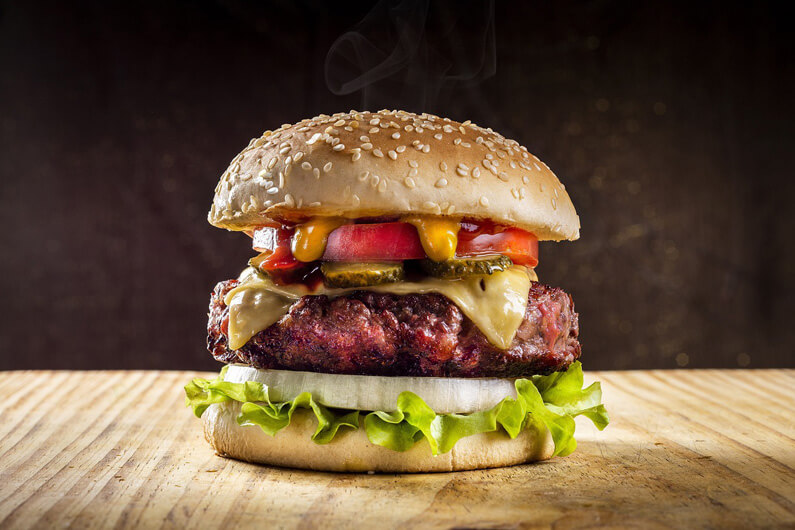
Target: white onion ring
(445,395)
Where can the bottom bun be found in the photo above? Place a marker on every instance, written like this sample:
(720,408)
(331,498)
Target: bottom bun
(351,450)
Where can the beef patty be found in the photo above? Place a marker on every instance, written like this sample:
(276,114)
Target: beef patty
(371,333)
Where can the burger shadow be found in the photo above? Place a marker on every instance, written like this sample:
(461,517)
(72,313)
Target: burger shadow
(644,480)
(595,465)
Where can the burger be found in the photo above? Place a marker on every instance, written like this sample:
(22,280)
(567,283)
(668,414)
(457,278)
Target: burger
(392,320)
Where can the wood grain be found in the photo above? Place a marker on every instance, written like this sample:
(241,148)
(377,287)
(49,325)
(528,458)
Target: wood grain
(706,448)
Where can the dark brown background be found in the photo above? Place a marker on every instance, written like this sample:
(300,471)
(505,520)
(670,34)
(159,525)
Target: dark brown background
(670,124)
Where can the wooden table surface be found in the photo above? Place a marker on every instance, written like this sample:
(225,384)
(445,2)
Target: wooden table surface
(706,448)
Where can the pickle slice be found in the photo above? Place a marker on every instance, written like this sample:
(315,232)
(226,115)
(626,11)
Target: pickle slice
(341,274)
(460,267)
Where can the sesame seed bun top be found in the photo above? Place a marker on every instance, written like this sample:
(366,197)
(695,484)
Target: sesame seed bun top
(363,164)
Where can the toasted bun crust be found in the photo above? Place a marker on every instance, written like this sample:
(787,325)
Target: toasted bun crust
(351,451)
(362,164)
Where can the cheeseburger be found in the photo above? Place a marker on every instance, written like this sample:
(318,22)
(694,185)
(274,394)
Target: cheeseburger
(392,319)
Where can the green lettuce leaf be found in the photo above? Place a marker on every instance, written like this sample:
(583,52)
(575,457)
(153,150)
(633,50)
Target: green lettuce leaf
(550,402)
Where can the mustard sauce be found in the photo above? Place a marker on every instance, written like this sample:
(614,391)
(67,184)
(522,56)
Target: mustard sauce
(439,236)
(309,240)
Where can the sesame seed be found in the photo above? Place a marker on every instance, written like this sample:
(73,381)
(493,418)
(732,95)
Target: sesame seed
(408,128)
(466,144)
(348,128)
(503,176)
(287,169)
(522,192)
(490,156)
(484,201)
(262,173)
(382,186)
(272,191)
(288,199)
(392,154)
(281,179)
(334,141)
(415,143)
(441,183)
(410,184)
(298,156)
(375,121)
(437,136)
(306,166)
(364,176)
(466,123)
(413,163)
(284,150)
(513,164)
(327,167)
(400,148)
(339,147)
(364,138)
(476,172)
(396,136)
(463,166)
(378,153)
(374,130)
(447,129)
(443,166)
(536,165)
(356,156)
(514,193)
(316,172)
(413,172)
(331,130)
(315,204)
(554,204)
(374,180)
(419,129)
(426,148)
(367,146)
(272,162)
(525,179)
(339,123)
(451,209)
(356,200)
(462,172)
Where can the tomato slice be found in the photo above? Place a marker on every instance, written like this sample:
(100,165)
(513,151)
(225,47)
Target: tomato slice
(374,242)
(478,239)
(397,241)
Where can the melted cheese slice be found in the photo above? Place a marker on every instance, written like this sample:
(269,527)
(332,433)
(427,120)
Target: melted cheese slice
(495,303)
